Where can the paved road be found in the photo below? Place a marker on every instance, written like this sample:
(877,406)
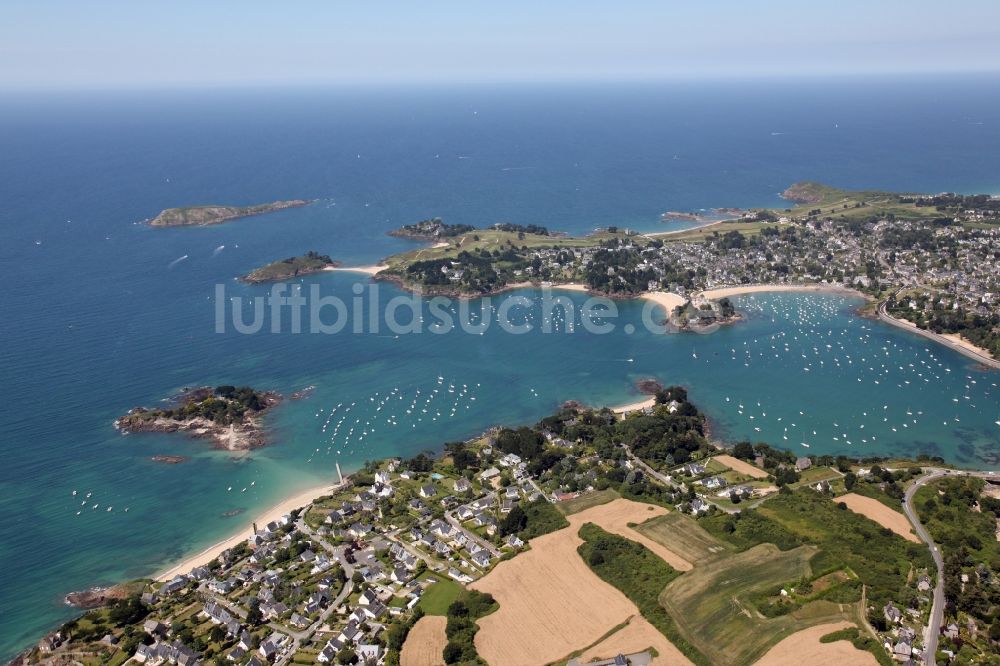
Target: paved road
(937,608)
(298,637)
(456,524)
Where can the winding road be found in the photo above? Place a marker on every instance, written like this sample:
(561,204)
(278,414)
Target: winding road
(937,607)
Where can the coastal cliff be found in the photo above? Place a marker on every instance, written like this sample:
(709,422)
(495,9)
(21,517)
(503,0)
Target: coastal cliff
(231,417)
(199,216)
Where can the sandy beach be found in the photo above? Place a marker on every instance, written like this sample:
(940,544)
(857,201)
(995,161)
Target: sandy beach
(204,557)
(660,234)
(668,300)
(725,292)
(965,344)
(634,406)
(569,286)
(368,270)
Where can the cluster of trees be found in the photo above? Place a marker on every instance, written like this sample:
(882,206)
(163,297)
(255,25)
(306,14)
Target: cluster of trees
(482,271)
(522,229)
(662,438)
(731,240)
(981,330)
(880,558)
(525,442)
(615,270)
(920,237)
(309,258)
(433,227)
(421,463)
(461,629)
(958,517)
(226,405)
(538,518)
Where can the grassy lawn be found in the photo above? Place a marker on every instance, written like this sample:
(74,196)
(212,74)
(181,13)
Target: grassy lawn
(713,466)
(684,536)
(586,501)
(436,598)
(815,474)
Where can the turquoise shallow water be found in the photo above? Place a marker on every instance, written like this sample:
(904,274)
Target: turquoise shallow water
(96,320)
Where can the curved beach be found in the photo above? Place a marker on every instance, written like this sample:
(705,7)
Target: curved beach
(207,555)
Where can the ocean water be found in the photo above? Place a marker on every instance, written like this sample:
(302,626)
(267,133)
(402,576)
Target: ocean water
(99,315)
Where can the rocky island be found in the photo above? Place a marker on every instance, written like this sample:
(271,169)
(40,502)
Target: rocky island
(230,416)
(703,315)
(293,267)
(200,216)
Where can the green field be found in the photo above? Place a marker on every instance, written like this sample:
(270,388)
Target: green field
(492,239)
(436,598)
(684,536)
(849,205)
(586,501)
(699,234)
(711,606)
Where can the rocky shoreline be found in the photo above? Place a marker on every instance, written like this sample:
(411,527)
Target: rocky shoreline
(242,433)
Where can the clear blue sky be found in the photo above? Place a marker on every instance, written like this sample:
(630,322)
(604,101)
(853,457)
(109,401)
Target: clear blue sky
(71,43)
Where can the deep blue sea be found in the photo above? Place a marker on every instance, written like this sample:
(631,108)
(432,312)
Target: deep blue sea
(100,313)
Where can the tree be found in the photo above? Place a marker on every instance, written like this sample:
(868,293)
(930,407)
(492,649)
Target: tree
(513,522)
(463,459)
(743,451)
(849,480)
(453,652)
(254,616)
(347,656)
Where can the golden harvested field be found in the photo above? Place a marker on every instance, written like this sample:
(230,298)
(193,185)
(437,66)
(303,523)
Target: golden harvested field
(615,516)
(741,466)
(637,636)
(551,603)
(425,643)
(880,513)
(803,647)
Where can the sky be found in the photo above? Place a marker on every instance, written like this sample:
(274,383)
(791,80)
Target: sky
(158,43)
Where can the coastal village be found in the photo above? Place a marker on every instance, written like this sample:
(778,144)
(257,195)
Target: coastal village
(933,258)
(395,551)
(448,558)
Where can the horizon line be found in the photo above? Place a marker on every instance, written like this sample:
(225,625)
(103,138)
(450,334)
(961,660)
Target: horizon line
(471,83)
